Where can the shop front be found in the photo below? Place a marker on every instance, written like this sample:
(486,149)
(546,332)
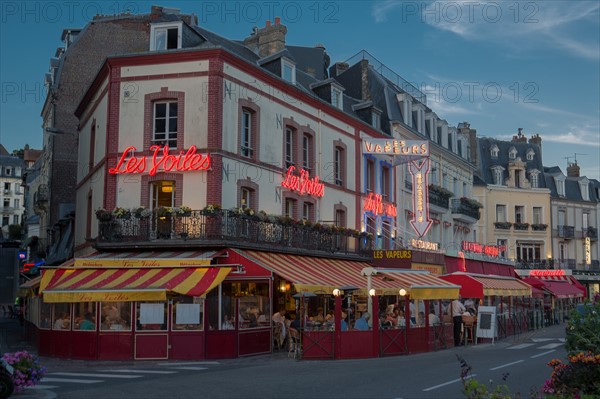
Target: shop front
(510,296)
(561,298)
(127,306)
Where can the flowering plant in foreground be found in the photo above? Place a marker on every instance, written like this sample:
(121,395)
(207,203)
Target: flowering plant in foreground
(28,370)
(581,376)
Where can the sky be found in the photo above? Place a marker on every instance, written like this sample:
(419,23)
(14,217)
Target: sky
(499,65)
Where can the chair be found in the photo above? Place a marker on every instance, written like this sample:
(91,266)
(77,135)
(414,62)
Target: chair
(469,326)
(278,338)
(294,344)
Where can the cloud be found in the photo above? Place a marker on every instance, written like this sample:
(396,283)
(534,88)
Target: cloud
(520,25)
(587,135)
(382,9)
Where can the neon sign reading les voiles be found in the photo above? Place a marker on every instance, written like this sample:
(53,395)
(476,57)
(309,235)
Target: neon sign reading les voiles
(161,160)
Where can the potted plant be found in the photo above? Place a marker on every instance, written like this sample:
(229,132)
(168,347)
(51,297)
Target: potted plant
(164,211)
(103,215)
(211,209)
(27,369)
(183,211)
(142,212)
(121,213)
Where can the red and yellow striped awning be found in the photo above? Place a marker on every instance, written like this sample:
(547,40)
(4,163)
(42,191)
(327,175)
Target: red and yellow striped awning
(323,275)
(128,284)
(478,285)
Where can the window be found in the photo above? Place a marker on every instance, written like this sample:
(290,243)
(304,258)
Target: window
(15,219)
(519,214)
(534,178)
(385,183)
(585,221)
(494,151)
(151,316)
(439,135)
(288,71)
(245,198)
(289,147)
(8,171)
(375,119)
(500,213)
(339,165)
(254,310)
(537,215)
(529,252)
(336,97)
(165,124)
(5,220)
(307,211)
(6,202)
(459,148)
(188,314)
(17,203)
(370,176)
(560,185)
(165,37)
(512,153)
(585,193)
(246,145)
(497,172)
(61,316)
(6,188)
(561,217)
(306,151)
(562,251)
(450,141)
(163,193)
(340,218)
(530,154)
(84,316)
(290,205)
(502,244)
(517,178)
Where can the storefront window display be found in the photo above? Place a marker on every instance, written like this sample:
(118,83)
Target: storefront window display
(84,316)
(61,316)
(255,306)
(151,316)
(188,313)
(115,316)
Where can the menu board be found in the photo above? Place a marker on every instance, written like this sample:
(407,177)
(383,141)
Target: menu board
(486,322)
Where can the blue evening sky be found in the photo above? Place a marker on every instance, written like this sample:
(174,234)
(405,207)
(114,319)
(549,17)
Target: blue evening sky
(498,65)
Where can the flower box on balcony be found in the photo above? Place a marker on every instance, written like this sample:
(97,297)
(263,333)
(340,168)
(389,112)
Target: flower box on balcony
(503,225)
(441,191)
(521,226)
(539,227)
(468,202)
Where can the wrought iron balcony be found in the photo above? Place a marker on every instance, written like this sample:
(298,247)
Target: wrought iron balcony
(461,207)
(590,232)
(521,226)
(566,231)
(539,227)
(438,199)
(228,228)
(503,225)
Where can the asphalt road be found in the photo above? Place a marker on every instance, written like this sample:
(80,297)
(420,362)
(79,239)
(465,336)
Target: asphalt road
(429,375)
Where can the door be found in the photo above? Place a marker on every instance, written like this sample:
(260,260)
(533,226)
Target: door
(151,338)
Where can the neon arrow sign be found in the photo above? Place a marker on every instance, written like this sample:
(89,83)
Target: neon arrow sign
(420,172)
(161,159)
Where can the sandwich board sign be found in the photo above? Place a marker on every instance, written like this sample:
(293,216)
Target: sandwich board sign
(486,322)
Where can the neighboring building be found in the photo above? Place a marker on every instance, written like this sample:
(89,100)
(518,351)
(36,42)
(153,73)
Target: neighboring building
(12,195)
(71,72)
(575,203)
(516,202)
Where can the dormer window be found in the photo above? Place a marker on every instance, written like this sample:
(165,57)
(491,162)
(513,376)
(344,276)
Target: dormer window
(336,97)
(375,119)
(165,36)
(584,187)
(288,71)
(497,173)
(534,178)
(512,153)
(494,151)
(530,154)
(560,185)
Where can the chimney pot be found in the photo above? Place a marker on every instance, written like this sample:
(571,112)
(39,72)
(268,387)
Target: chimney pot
(277,20)
(268,24)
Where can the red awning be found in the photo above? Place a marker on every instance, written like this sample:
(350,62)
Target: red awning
(563,289)
(478,286)
(566,278)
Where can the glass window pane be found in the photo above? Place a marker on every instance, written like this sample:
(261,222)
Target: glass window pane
(115,316)
(45,315)
(61,316)
(173,110)
(172,124)
(188,313)
(159,126)
(84,316)
(160,39)
(255,306)
(161,110)
(151,316)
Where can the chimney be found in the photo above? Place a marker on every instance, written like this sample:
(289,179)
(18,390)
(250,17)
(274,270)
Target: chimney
(338,68)
(519,138)
(536,139)
(364,78)
(268,40)
(572,169)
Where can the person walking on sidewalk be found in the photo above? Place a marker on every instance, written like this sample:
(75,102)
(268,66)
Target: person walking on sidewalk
(457,309)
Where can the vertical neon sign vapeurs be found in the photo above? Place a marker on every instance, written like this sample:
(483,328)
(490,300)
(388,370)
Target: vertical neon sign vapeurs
(419,170)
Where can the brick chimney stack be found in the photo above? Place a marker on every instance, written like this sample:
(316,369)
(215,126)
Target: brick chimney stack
(536,139)
(519,138)
(572,169)
(337,69)
(268,40)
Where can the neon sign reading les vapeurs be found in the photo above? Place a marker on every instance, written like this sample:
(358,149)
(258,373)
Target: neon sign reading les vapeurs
(161,160)
(302,183)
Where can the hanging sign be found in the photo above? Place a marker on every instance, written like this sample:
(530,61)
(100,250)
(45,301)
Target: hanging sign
(415,148)
(302,183)
(161,161)
(420,171)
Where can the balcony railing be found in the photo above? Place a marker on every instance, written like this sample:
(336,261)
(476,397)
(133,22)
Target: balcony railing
(503,225)
(566,231)
(8,209)
(462,208)
(435,198)
(539,227)
(228,228)
(521,226)
(590,232)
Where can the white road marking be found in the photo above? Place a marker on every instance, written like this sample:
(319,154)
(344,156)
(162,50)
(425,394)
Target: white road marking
(542,339)
(43,387)
(170,364)
(562,339)
(191,368)
(140,371)
(551,346)
(79,381)
(96,375)
(542,354)
(521,346)
(447,383)
(506,365)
